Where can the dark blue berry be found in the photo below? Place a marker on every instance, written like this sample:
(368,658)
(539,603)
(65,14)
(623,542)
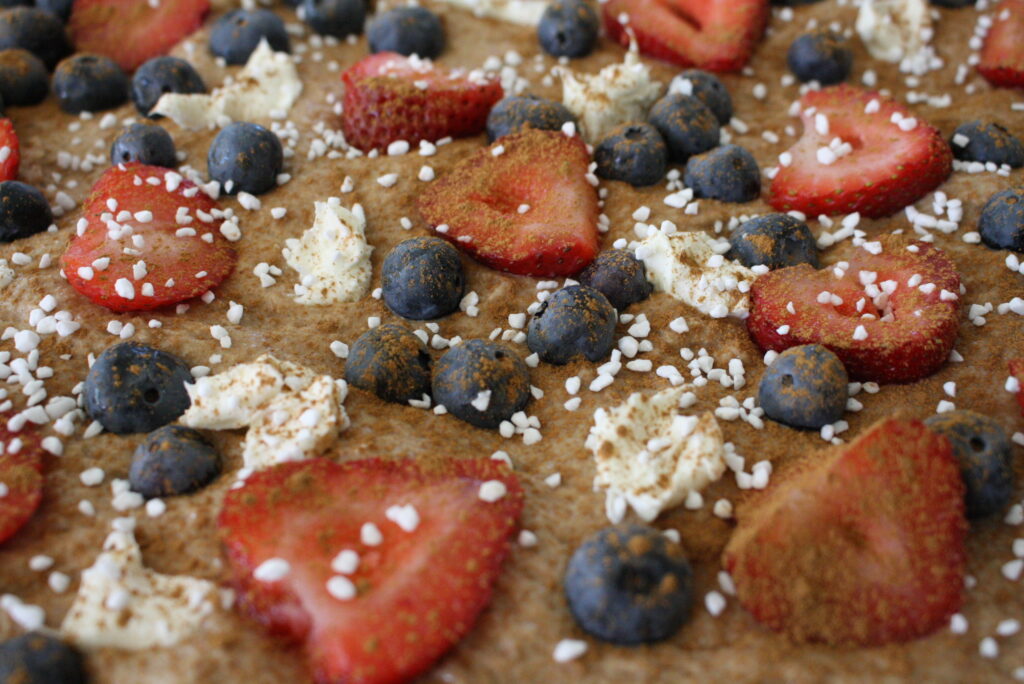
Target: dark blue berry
(162,75)
(634,153)
(145,143)
(338,18)
(987,142)
(407,31)
(36,658)
(823,57)
(619,276)
(575,321)
(58,8)
(245,157)
(37,31)
(514,112)
(136,388)
(708,88)
(954,4)
(985,456)
(391,362)
(774,240)
(568,28)
(173,460)
(89,83)
(629,585)
(15,3)
(805,387)
(23,78)
(686,124)
(422,278)
(238,33)
(729,174)
(24,211)
(481,382)
(1002,220)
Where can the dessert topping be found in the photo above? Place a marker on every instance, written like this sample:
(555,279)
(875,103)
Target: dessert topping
(332,257)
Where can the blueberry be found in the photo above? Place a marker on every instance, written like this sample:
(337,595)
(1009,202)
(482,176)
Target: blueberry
(954,4)
(629,585)
(568,28)
(144,143)
(15,3)
(822,56)
(173,460)
(619,276)
(481,382)
(706,87)
(238,33)
(89,83)
(775,240)
(514,112)
(58,8)
(1002,220)
(136,388)
(162,75)
(37,31)
(391,362)
(407,31)
(729,174)
(422,278)
(984,454)
(23,78)
(634,153)
(686,124)
(987,142)
(36,658)
(24,211)
(575,321)
(338,18)
(805,387)
(245,157)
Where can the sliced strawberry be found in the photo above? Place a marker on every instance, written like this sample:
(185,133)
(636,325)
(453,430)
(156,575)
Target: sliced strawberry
(389,97)
(417,592)
(860,544)
(10,159)
(176,267)
(477,205)
(21,476)
(131,32)
(717,35)
(1017,371)
(1002,55)
(909,332)
(887,169)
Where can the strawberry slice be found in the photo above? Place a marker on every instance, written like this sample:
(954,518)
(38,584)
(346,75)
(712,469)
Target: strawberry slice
(477,205)
(131,32)
(143,246)
(885,168)
(21,476)
(10,159)
(860,544)
(389,97)
(414,594)
(717,35)
(1017,371)
(1002,55)
(890,317)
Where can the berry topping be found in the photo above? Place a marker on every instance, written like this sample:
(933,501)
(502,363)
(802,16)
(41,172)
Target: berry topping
(391,362)
(634,153)
(890,316)
(407,31)
(21,468)
(24,210)
(775,241)
(416,588)
(1002,55)
(728,173)
(515,112)
(58,8)
(36,658)
(717,35)
(1002,220)
(422,278)
(805,387)
(136,388)
(37,31)
(822,56)
(861,544)
(173,460)
(141,245)
(575,321)
(338,18)
(146,144)
(10,151)
(23,78)
(1017,371)
(385,101)
(983,451)
(629,585)
(568,28)
(236,34)
(162,75)
(245,157)
(481,382)
(707,88)
(984,141)
(619,276)
(953,4)
(89,83)
(523,205)
(686,124)
(884,160)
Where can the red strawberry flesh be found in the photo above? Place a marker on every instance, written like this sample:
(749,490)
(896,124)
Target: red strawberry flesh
(1002,55)
(12,158)
(21,467)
